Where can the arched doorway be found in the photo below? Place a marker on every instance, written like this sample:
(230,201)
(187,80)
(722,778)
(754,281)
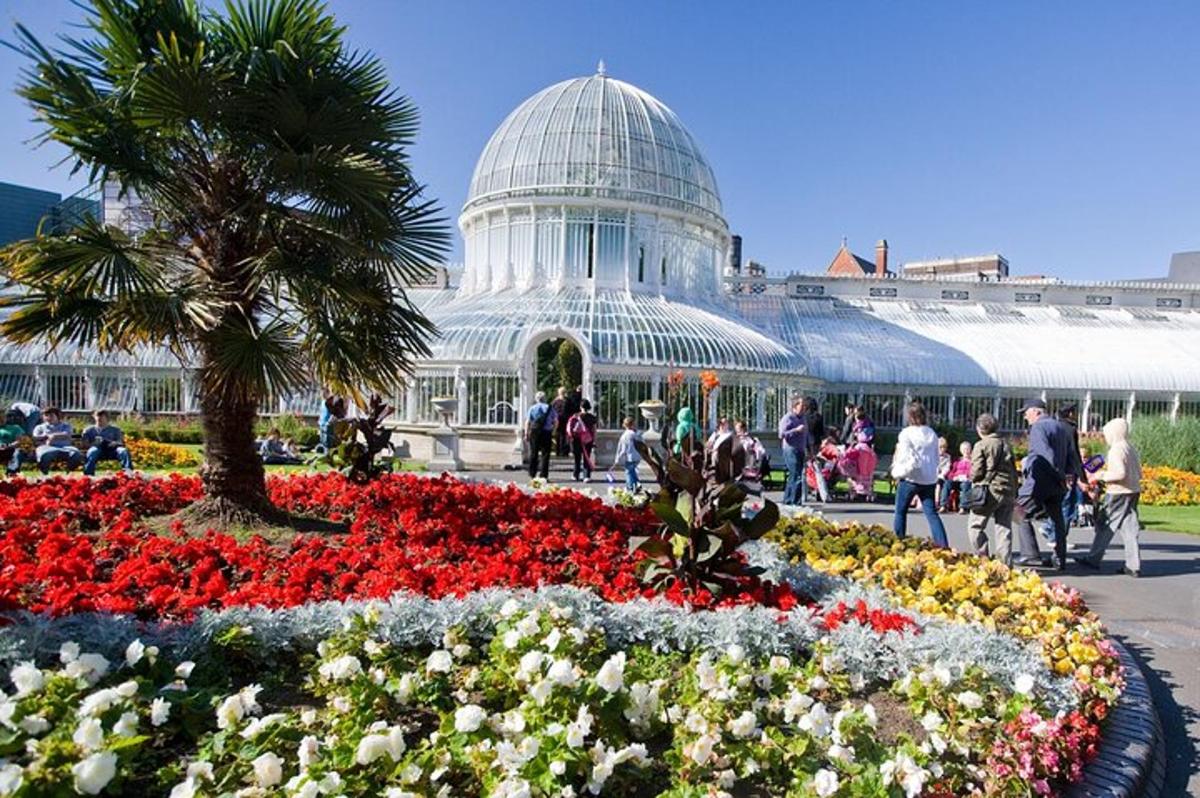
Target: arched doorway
(558,363)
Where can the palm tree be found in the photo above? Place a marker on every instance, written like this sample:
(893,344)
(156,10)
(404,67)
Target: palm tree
(284,220)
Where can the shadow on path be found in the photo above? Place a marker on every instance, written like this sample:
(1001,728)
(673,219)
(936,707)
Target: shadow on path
(1182,748)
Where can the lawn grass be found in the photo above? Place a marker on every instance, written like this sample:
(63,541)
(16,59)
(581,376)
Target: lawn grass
(1184,519)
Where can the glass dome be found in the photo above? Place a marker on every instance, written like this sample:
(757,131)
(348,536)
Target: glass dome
(596,137)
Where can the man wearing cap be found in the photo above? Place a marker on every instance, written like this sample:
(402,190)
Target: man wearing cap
(1053,458)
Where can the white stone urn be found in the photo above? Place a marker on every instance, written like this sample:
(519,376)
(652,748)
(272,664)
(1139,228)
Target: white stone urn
(652,411)
(447,406)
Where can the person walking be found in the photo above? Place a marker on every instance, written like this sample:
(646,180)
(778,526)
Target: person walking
(816,438)
(994,467)
(581,430)
(1053,456)
(793,434)
(1122,481)
(915,468)
(539,432)
(559,432)
(627,455)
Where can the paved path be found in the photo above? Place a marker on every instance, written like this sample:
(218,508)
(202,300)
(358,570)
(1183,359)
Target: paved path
(1157,617)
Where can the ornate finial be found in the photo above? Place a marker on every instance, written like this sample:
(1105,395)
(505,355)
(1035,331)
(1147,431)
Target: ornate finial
(600,70)
(843,242)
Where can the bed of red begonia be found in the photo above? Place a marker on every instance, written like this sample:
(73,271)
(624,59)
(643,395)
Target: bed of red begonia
(74,545)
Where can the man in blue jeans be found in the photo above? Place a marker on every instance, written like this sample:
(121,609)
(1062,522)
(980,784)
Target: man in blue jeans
(793,433)
(104,442)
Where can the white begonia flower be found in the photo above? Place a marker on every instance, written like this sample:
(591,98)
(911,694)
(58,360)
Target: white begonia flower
(98,702)
(184,669)
(577,635)
(509,608)
(134,652)
(460,650)
(34,724)
(970,699)
(200,771)
(818,682)
(744,725)
(726,779)
(872,716)
(701,749)
(736,654)
(268,769)
(308,716)
(1023,684)
(816,722)
(249,697)
(695,722)
(779,663)
(341,704)
(126,725)
(552,640)
(405,686)
(309,789)
(825,782)
(706,674)
(370,748)
(396,744)
(942,673)
(931,720)
(439,661)
(469,718)
(95,772)
(841,753)
(184,789)
(512,723)
(530,665)
(905,772)
(259,725)
(89,667)
(511,639)
(575,735)
(27,678)
(89,734)
(396,792)
(330,782)
(306,752)
(230,712)
(342,669)
(795,705)
(540,691)
(562,671)
(611,676)
(11,778)
(558,767)
(528,626)
(68,652)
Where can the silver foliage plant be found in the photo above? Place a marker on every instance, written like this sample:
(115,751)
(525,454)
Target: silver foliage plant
(411,620)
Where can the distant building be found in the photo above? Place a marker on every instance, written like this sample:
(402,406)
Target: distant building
(23,209)
(978,267)
(846,264)
(1185,268)
(735,254)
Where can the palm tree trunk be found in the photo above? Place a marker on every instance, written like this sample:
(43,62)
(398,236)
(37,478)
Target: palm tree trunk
(233,477)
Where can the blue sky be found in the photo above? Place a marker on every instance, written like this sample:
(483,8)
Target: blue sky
(1063,135)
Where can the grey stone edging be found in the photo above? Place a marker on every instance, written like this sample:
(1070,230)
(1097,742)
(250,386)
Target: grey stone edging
(1132,762)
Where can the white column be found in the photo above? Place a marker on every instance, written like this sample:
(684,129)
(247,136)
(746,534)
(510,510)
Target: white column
(760,407)
(1129,408)
(187,388)
(1085,422)
(950,409)
(39,386)
(460,387)
(89,391)
(411,399)
(1175,409)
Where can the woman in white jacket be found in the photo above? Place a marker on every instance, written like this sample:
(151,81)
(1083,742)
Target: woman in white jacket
(915,468)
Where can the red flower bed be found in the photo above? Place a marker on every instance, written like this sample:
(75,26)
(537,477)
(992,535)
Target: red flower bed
(72,545)
(878,619)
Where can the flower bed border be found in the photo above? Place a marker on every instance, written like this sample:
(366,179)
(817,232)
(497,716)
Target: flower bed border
(1132,760)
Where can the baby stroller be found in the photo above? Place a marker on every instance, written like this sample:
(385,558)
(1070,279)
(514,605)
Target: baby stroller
(827,461)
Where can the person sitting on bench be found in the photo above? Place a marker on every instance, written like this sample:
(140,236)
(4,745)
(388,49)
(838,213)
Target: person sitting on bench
(274,451)
(104,442)
(55,441)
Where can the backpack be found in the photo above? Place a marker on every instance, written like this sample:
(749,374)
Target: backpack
(577,430)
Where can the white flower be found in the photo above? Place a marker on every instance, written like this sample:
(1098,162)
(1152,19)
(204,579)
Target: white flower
(160,710)
(528,625)
(744,725)
(90,667)
(395,742)
(469,718)
(558,767)
(249,697)
(94,773)
(817,721)
(259,725)
(563,672)
(872,716)
(184,789)
(341,704)
(575,735)
(127,689)
(942,674)
(970,699)
(931,721)
(825,782)
(795,705)
(530,665)
(68,652)
(611,676)
(905,772)
(540,691)
(184,669)
(1023,684)
(126,725)
(89,734)
(706,674)
(439,661)
(779,663)
(512,723)
(701,750)
(342,669)
(330,783)
(200,770)
(230,711)
(371,748)
(736,654)
(841,753)
(307,751)
(509,608)
(27,678)
(460,650)
(98,702)
(134,652)
(552,640)
(11,778)
(511,639)
(268,769)
(34,724)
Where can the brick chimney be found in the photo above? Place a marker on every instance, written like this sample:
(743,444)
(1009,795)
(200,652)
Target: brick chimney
(881,258)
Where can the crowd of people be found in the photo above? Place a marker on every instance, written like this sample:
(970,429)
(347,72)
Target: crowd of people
(51,439)
(1054,480)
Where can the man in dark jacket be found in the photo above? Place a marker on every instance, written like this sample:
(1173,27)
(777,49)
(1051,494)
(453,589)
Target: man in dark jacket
(1053,457)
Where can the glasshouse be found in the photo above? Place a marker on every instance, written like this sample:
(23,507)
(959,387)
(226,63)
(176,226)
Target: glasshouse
(594,225)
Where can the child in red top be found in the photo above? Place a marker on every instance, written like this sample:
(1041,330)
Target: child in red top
(958,479)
